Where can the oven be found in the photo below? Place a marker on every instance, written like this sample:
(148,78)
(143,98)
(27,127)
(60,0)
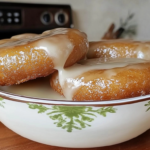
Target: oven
(18,18)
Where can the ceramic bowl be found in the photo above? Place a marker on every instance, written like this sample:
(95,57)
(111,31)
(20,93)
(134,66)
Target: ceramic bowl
(75,124)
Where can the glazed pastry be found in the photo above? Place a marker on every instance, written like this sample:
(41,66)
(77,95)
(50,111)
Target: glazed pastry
(119,49)
(27,57)
(23,36)
(97,80)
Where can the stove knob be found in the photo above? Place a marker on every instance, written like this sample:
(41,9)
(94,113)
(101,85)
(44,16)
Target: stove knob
(46,18)
(61,18)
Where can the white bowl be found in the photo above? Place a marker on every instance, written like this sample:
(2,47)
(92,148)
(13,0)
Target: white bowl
(75,124)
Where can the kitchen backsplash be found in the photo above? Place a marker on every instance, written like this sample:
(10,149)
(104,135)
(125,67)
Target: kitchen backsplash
(95,16)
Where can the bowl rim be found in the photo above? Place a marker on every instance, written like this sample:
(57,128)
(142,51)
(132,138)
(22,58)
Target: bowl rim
(27,99)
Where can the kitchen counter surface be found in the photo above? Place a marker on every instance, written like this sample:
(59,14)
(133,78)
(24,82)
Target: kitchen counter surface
(11,141)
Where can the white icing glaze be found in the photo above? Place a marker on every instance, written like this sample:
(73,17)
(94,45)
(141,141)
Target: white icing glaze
(69,82)
(23,36)
(49,42)
(54,42)
(56,49)
(67,78)
(28,39)
(38,88)
(4,41)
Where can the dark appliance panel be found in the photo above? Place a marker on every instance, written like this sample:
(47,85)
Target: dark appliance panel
(18,18)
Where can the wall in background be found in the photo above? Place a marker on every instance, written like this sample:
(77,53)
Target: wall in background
(95,16)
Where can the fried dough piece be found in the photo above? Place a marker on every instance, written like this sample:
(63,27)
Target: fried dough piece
(111,80)
(119,49)
(30,57)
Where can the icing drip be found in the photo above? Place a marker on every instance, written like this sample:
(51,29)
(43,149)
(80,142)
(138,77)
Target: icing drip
(70,82)
(54,42)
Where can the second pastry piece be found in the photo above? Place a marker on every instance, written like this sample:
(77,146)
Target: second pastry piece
(119,49)
(99,81)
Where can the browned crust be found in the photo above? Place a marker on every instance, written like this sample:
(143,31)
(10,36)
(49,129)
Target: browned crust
(117,49)
(81,47)
(22,63)
(128,82)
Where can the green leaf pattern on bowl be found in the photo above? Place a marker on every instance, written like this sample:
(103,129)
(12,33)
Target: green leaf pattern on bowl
(72,117)
(148,105)
(1,102)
